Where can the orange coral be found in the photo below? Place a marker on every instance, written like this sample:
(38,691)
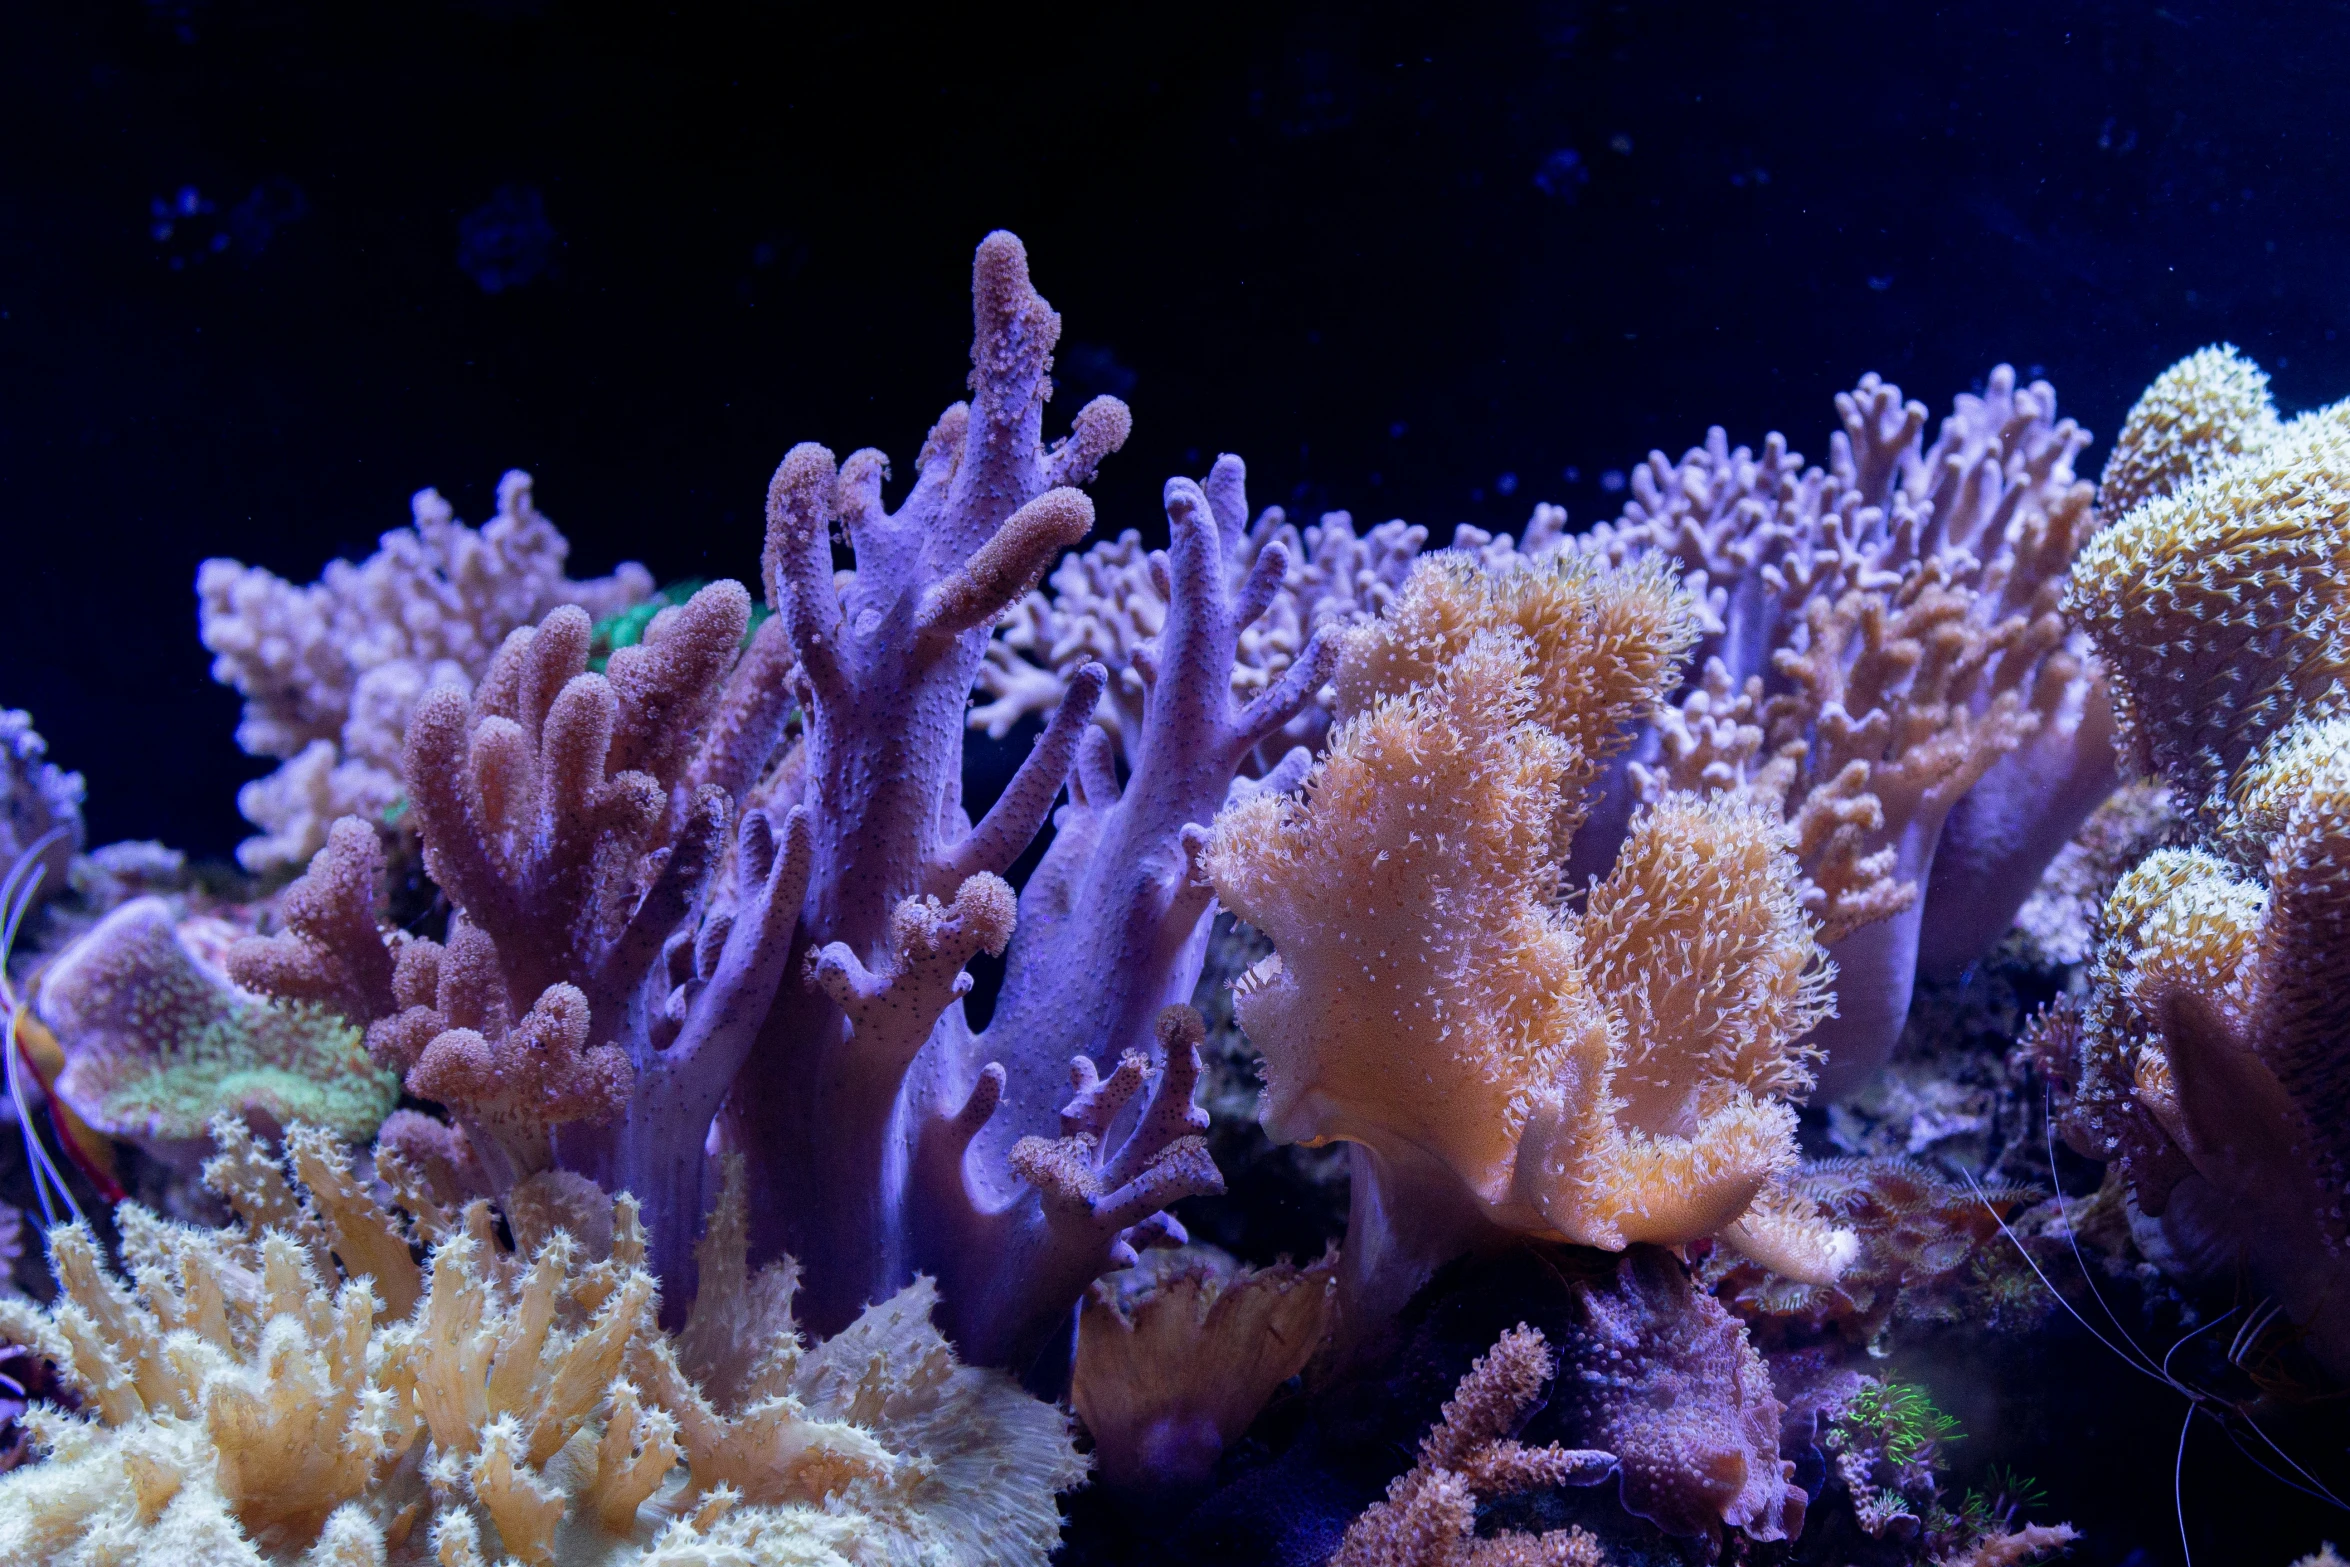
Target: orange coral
(1430,1515)
(1604,1077)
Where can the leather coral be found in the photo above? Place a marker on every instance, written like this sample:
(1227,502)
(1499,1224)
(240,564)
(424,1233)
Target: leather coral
(2209,1059)
(1607,1075)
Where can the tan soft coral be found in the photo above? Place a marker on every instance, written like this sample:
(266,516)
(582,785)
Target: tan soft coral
(1604,1077)
(1179,1353)
(2208,1058)
(1429,1518)
(299,1390)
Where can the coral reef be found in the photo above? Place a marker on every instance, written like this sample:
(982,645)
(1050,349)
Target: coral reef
(1883,654)
(37,800)
(158,1040)
(1500,1062)
(331,673)
(1879,655)
(1430,1515)
(738,875)
(1178,1354)
(297,1388)
(1920,1240)
(2207,1059)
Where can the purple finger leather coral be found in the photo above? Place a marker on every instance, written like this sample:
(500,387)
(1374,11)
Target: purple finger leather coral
(723,894)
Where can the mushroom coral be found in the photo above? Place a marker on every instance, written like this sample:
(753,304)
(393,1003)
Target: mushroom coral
(1504,1063)
(158,1040)
(2209,1057)
(297,1389)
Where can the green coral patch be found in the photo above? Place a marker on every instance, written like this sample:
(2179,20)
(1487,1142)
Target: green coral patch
(293,1061)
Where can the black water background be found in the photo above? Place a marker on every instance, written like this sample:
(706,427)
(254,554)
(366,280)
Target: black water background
(642,254)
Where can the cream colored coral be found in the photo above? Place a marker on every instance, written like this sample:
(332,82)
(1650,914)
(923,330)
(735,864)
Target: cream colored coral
(2207,1058)
(244,1403)
(2225,608)
(1604,1077)
(1430,1514)
(2202,413)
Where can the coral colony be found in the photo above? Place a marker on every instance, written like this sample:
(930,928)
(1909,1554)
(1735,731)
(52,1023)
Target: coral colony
(646,1193)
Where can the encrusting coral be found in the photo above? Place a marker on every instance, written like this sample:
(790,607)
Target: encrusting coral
(297,1389)
(1176,1355)
(1430,1515)
(332,672)
(157,1040)
(1503,1062)
(2208,1059)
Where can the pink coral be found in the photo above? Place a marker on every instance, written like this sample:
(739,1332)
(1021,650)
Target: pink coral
(331,673)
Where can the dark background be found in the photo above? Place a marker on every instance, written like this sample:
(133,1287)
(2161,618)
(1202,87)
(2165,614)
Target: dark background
(1406,260)
(267,269)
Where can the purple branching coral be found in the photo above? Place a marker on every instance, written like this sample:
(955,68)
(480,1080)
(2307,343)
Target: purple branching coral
(331,673)
(1880,659)
(722,895)
(37,800)
(1884,654)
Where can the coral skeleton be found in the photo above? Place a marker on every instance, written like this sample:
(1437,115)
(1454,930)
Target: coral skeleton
(298,1389)
(332,672)
(2208,1058)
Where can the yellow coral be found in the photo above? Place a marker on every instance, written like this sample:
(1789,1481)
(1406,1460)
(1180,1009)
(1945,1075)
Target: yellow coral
(1178,1354)
(2207,1059)
(2222,608)
(245,1404)
(2203,412)
(1604,1077)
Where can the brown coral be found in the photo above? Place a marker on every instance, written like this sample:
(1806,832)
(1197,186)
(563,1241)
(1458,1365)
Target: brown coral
(1606,1076)
(1177,1354)
(1430,1515)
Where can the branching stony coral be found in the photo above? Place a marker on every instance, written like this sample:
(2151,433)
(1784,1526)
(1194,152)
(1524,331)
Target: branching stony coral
(1886,657)
(672,899)
(2208,1059)
(1430,1514)
(158,1041)
(298,1389)
(331,673)
(37,800)
(1503,1063)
